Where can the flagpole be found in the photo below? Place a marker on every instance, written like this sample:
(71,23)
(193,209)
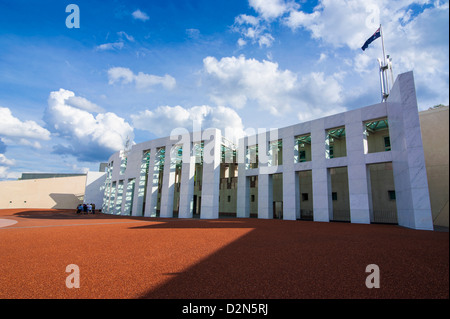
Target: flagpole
(382,44)
(383,69)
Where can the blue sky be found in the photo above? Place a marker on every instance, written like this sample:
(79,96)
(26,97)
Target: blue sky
(70,97)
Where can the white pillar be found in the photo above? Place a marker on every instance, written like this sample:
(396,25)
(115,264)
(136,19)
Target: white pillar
(212,139)
(408,161)
(265,196)
(359,195)
(151,200)
(168,183)
(322,204)
(291,199)
(139,190)
(187,182)
(243,191)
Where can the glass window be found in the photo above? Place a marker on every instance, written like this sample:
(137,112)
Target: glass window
(336,143)
(334,196)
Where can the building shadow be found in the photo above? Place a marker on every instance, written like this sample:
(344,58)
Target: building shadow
(67,214)
(308,260)
(64,201)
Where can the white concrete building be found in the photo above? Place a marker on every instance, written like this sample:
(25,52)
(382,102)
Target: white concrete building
(362,166)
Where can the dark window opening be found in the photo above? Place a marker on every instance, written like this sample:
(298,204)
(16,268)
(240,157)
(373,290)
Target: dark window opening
(391,195)
(387,143)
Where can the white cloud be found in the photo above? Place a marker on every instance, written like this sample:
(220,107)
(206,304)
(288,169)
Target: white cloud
(123,34)
(239,82)
(110,46)
(415,39)
(322,57)
(271,9)
(164,119)
(337,22)
(265,40)
(76,168)
(246,19)
(20,141)
(241,42)
(319,95)
(83,104)
(257,28)
(119,74)
(5,164)
(6,174)
(139,15)
(252,29)
(144,81)
(193,33)
(141,80)
(14,129)
(415,33)
(118,45)
(297,19)
(88,137)
(364,63)
(5,161)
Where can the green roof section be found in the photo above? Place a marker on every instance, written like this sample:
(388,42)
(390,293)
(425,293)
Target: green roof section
(377,125)
(27,176)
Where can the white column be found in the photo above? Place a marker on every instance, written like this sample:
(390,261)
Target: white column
(408,161)
(243,191)
(321,180)
(151,200)
(168,183)
(139,190)
(187,182)
(265,184)
(291,198)
(359,195)
(211,174)
(265,196)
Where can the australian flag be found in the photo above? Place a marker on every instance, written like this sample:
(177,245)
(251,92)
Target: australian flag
(375,36)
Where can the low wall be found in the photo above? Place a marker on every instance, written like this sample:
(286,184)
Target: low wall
(58,193)
(434,124)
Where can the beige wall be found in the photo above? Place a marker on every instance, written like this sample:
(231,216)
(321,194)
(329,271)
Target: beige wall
(375,141)
(435,137)
(61,192)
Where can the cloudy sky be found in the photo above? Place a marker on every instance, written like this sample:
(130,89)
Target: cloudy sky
(135,70)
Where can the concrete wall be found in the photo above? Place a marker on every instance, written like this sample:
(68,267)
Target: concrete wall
(59,193)
(347,184)
(406,156)
(118,190)
(94,188)
(435,136)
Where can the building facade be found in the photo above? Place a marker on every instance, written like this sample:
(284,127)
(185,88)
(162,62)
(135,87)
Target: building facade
(362,166)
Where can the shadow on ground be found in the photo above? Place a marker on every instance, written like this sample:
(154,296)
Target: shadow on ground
(279,259)
(65,214)
(309,260)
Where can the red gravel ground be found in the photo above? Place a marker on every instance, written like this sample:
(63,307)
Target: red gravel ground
(131,257)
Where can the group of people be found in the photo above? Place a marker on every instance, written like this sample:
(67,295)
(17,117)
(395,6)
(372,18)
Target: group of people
(86,209)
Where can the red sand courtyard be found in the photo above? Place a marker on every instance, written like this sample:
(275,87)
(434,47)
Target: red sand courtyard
(133,257)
